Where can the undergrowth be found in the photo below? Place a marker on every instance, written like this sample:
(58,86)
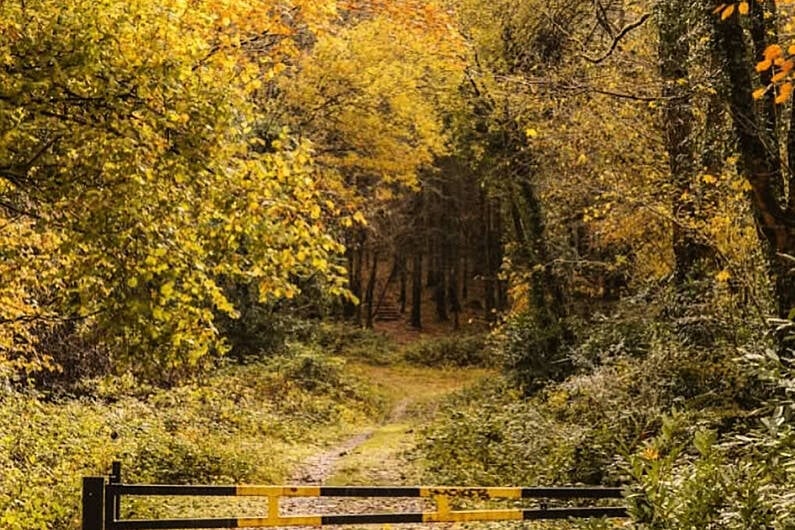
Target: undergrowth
(242,424)
(690,414)
(449,351)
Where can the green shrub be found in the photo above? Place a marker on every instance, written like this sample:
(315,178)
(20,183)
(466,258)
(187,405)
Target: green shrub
(310,370)
(240,424)
(160,457)
(355,342)
(454,350)
(533,353)
(488,436)
(743,479)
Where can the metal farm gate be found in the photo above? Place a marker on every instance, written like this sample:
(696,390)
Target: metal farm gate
(102,498)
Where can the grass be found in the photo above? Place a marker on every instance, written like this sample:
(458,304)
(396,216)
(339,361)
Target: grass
(412,391)
(248,423)
(241,424)
(376,462)
(414,394)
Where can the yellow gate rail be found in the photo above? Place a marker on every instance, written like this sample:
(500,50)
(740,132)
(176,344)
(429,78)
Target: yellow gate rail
(102,504)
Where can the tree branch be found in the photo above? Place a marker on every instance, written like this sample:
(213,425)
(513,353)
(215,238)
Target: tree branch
(621,34)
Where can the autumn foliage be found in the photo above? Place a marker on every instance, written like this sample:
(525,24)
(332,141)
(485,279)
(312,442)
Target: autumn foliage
(145,169)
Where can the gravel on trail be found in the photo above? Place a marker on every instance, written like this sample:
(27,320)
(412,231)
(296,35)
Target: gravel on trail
(319,468)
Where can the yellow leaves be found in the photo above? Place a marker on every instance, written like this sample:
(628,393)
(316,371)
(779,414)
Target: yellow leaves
(743,8)
(382,85)
(167,191)
(723,276)
(167,289)
(709,179)
(650,453)
(315,211)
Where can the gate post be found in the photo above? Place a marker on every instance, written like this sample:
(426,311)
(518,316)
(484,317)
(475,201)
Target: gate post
(115,478)
(112,499)
(93,500)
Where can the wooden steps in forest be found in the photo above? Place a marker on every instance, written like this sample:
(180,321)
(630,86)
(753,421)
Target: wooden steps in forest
(388,311)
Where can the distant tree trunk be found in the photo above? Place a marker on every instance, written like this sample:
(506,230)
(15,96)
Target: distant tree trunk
(416,291)
(353,252)
(464,279)
(432,272)
(501,286)
(489,280)
(440,294)
(455,303)
(400,264)
(370,292)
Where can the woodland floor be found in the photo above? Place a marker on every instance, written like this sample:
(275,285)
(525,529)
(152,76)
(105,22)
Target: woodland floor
(382,454)
(376,454)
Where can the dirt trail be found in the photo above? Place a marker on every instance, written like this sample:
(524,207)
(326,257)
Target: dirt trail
(380,455)
(318,468)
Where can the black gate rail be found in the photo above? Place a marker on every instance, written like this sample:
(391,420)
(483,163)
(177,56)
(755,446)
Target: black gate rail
(102,504)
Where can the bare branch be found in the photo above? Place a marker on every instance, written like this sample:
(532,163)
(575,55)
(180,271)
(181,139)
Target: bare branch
(621,34)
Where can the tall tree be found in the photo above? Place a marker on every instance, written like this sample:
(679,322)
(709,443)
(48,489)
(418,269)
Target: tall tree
(743,41)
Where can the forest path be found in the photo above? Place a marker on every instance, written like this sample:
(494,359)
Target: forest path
(381,454)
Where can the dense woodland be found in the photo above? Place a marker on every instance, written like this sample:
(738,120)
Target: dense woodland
(595,198)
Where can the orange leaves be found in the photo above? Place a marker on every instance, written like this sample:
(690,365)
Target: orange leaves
(727,10)
(759,93)
(784,92)
(773,52)
(782,67)
(774,59)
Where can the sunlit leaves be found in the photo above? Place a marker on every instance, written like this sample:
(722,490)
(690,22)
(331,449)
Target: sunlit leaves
(373,94)
(725,10)
(128,145)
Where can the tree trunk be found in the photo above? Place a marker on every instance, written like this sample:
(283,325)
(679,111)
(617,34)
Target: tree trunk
(370,292)
(489,291)
(759,159)
(440,293)
(416,291)
(674,54)
(351,310)
(464,279)
(400,264)
(455,303)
